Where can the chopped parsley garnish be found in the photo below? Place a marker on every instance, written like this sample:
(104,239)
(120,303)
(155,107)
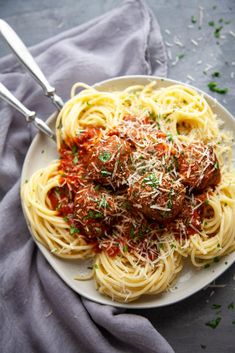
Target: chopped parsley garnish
(132,232)
(216,259)
(73,230)
(214,323)
(58,207)
(152,115)
(98,230)
(105,173)
(125,248)
(42,151)
(103,202)
(169,204)
(151,180)
(215,74)
(216,306)
(211,23)
(206,265)
(217,31)
(231,306)
(94,214)
(126,205)
(96,266)
(74,149)
(180,56)
(75,160)
(213,86)
(193,19)
(158,125)
(97,187)
(216,165)
(65,219)
(170,137)
(54,250)
(104,156)
(206,202)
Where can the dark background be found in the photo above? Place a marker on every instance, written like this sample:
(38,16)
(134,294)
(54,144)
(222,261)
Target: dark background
(183,324)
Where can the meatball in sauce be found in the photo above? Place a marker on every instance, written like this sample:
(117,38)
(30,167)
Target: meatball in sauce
(157,195)
(109,163)
(94,209)
(198,166)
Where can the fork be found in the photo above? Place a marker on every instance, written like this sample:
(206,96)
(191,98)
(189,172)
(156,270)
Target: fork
(24,56)
(30,115)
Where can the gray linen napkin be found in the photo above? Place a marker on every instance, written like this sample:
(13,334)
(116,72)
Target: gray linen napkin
(39,313)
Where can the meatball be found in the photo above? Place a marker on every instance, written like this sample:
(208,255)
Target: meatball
(157,195)
(188,222)
(94,209)
(109,162)
(139,132)
(199,167)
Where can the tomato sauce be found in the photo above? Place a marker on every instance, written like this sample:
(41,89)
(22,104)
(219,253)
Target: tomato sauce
(89,202)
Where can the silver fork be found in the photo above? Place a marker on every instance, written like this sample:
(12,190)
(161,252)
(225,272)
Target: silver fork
(24,56)
(30,115)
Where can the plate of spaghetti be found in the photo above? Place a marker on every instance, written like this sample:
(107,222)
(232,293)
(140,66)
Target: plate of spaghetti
(134,205)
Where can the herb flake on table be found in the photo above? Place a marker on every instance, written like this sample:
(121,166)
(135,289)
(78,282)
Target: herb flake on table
(216,306)
(180,56)
(231,306)
(217,31)
(213,86)
(193,19)
(214,323)
(215,74)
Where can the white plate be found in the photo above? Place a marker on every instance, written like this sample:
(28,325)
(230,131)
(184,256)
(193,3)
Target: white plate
(190,280)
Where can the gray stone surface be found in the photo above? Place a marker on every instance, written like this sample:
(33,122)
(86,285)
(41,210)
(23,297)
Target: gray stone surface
(183,324)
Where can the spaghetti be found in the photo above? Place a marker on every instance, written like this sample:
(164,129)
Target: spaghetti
(144,180)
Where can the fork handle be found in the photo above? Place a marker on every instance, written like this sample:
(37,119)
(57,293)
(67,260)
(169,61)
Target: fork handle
(24,56)
(29,115)
(8,97)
